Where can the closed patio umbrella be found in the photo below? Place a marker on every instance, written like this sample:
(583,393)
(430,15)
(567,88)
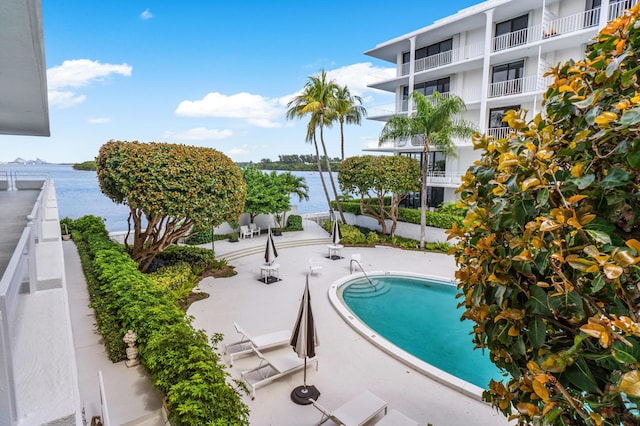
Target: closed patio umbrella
(304,340)
(336,235)
(270,252)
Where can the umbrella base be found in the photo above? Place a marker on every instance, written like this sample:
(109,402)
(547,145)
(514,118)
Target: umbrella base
(334,257)
(300,397)
(269,280)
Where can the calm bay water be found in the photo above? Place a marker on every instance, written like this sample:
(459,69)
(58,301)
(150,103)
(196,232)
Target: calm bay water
(79,193)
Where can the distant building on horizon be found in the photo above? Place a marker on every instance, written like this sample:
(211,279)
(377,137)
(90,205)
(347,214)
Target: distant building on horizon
(494,56)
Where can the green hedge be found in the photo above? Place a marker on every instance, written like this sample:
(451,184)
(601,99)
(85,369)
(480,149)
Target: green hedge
(444,218)
(294,223)
(178,358)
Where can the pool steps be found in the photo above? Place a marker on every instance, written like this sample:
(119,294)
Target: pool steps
(364,289)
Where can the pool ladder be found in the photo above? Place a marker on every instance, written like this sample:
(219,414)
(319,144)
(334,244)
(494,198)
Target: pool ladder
(362,269)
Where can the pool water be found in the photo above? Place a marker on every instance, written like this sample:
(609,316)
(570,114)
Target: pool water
(420,317)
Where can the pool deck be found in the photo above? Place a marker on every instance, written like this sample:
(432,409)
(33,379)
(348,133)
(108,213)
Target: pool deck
(348,363)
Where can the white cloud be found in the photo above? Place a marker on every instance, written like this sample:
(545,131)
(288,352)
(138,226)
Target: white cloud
(81,72)
(99,120)
(76,73)
(357,76)
(238,151)
(146,14)
(199,134)
(64,99)
(254,109)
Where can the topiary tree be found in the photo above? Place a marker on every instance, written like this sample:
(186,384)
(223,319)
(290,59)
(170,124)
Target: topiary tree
(549,250)
(381,176)
(168,188)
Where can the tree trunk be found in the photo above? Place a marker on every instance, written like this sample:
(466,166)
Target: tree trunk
(423,198)
(324,185)
(333,184)
(342,137)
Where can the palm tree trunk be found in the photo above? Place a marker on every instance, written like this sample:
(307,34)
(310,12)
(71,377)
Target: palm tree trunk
(423,197)
(333,184)
(324,185)
(342,137)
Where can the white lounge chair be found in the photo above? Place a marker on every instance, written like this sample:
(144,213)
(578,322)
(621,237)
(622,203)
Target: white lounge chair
(247,343)
(396,418)
(357,411)
(255,229)
(273,367)
(313,268)
(245,232)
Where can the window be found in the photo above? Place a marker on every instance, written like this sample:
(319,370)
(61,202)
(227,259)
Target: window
(510,33)
(426,56)
(496,114)
(592,15)
(435,195)
(507,79)
(441,85)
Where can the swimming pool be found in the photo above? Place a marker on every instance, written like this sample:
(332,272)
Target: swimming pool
(414,318)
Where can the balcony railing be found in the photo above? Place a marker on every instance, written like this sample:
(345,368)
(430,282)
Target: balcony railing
(444,178)
(564,25)
(459,54)
(616,9)
(498,132)
(519,85)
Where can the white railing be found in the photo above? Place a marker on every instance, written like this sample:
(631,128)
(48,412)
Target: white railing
(381,110)
(518,85)
(444,178)
(564,25)
(617,9)
(459,54)
(498,132)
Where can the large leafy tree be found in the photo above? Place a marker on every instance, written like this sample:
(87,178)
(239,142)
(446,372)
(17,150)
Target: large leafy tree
(169,188)
(347,108)
(315,101)
(550,249)
(434,124)
(266,193)
(381,176)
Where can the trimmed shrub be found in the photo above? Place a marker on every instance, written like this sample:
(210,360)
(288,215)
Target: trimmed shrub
(179,279)
(294,223)
(200,236)
(200,259)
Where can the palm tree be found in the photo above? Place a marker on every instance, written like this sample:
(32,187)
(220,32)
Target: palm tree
(347,108)
(315,100)
(434,125)
(296,185)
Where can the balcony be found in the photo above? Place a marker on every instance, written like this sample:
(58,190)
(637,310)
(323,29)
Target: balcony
(444,179)
(556,27)
(617,9)
(498,132)
(516,86)
(470,51)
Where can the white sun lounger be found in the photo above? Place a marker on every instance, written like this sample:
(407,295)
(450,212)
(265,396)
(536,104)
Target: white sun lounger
(273,367)
(357,411)
(247,343)
(396,418)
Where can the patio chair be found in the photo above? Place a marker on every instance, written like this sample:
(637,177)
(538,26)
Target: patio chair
(396,418)
(255,229)
(247,343)
(313,268)
(273,367)
(357,411)
(245,232)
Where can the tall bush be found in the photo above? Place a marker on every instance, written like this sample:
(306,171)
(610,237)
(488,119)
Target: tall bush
(548,263)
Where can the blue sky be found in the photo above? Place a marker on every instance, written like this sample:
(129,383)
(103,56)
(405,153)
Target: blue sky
(208,73)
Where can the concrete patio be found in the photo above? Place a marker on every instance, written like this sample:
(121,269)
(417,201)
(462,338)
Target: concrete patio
(348,363)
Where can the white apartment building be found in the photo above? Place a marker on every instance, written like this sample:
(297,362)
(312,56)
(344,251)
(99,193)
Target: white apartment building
(494,56)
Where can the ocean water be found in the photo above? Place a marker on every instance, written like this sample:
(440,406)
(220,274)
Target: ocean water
(79,193)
